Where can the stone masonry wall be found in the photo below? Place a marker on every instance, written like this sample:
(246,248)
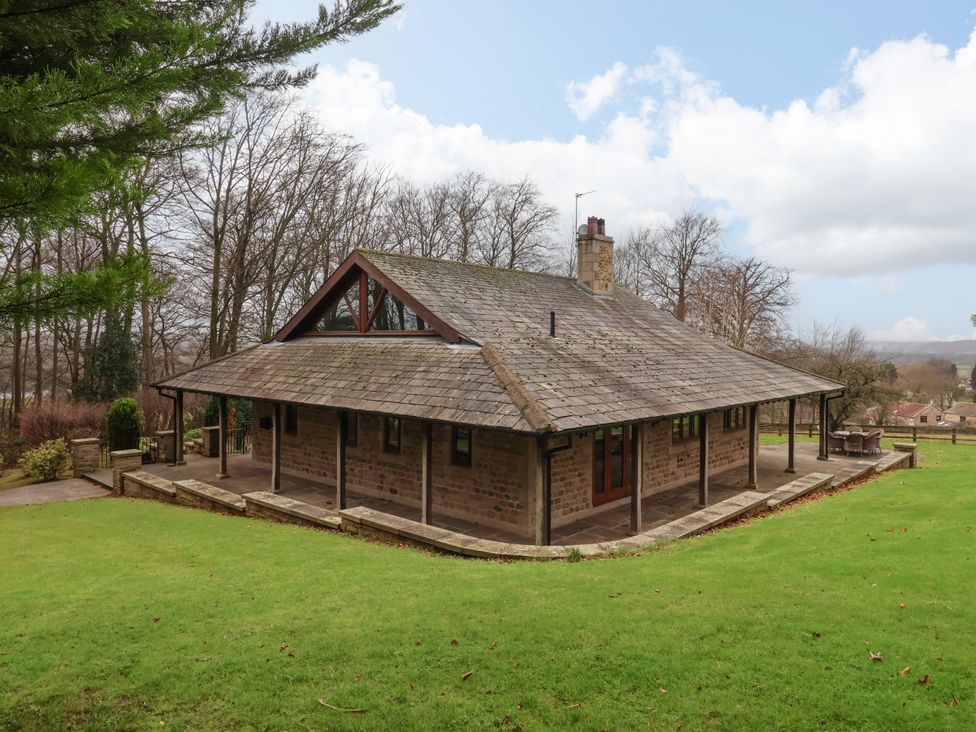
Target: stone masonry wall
(493,491)
(572,478)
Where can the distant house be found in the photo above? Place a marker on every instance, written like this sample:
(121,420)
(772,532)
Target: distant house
(913,414)
(516,400)
(961,413)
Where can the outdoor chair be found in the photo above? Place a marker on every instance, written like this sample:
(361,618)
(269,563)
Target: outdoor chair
(854,443)
(872,442)
(835,443)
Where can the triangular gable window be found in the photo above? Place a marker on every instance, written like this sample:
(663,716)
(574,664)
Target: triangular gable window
(366,306)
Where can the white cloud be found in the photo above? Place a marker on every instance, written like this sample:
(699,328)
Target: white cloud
(909,328)
(586,97)
(876,176)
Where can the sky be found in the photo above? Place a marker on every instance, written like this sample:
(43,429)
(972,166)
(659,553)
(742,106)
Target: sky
(832,138)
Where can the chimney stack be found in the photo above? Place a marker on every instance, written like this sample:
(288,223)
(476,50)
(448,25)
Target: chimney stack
(594,257)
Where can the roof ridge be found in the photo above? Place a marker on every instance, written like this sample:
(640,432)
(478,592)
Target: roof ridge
(532,412)
(480,265)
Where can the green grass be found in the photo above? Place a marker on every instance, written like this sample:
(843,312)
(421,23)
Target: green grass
(14,479)
(128,614)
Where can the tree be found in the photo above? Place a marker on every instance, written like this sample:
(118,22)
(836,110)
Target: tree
(677,258)
(972,381)
(111,364)
(90,90)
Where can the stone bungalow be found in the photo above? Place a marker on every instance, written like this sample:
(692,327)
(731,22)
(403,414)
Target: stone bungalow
(517,400)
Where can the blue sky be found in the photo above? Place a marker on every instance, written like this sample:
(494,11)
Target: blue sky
(831,137)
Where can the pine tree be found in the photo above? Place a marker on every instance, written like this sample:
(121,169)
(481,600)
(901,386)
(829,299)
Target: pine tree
(111,369)
(972,382)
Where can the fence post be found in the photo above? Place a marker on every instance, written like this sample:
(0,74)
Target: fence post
(810,430)
(914,434)
(953,435)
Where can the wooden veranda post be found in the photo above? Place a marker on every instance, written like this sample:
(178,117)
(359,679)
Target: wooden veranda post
(538,476)
(822,455)
(342,430)
(791,439)
(753,446)
(276,447)
(426,473)
(222,436)
(636,478)
(178,429)
(703,461)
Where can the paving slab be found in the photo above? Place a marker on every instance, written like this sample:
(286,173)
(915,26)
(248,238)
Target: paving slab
(71,489)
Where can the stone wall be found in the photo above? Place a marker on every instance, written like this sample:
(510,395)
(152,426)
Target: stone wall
(665,465)
(494,490)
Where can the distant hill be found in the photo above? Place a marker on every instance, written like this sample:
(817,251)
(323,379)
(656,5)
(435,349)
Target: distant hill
(961,353)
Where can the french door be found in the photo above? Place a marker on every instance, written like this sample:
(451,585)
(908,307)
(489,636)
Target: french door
(611,464)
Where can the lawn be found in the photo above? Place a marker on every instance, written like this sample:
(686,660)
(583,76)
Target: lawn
(128,614)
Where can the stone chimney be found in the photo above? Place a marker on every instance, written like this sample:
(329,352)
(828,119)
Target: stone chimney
(594,257)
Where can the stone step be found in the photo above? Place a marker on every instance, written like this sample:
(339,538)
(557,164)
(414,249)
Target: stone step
(743,504)
(264,504)
(203,495)
(800,487)
(853,472)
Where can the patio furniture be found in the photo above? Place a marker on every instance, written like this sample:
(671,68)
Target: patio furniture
(872,442)
(854,442)
(835,442)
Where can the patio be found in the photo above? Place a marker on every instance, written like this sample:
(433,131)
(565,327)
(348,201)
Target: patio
(614,523)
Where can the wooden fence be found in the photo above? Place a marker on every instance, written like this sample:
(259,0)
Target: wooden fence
(924,433)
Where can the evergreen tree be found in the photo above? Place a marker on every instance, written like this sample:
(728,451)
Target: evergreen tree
(972,382)
(89,88)
(111,369)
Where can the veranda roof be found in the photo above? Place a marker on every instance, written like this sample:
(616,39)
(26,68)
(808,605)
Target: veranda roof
(613,359)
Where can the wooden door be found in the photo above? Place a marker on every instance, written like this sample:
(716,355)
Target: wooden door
(611,464)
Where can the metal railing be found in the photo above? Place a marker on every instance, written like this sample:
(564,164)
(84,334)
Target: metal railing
(239,439)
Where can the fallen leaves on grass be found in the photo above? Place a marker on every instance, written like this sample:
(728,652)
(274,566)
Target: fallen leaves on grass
(663,691)
(204,659)
(577,705)
(879,656)
(466,675)
(355,710)
(905,671)
(954,702)
(453,642)
(901,605)
(924,681)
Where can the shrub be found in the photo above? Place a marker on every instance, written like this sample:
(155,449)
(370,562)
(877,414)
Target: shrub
(70,420)
(123,424)
(47,461)
(195,434)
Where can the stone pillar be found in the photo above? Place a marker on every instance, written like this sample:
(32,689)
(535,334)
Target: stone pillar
(178,429)
(222,436)
(703,461)
(86,456)
(426,472)
(122,462)
(753,447)
(911,448)
(167,446)
(791,438)
(822,453)
(341,432)
(211,442)
(636,477)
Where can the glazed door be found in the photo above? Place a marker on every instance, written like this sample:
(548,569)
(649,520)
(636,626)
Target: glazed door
(611,464)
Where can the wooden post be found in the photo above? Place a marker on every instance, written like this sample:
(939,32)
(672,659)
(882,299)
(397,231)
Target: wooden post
(275,447)
(539,490)
(953,435)
(753,481)
(342,429)
(636,477)
(426,473)
(822,455)
(791,439)
(703,459)
(178,429)
(222,436)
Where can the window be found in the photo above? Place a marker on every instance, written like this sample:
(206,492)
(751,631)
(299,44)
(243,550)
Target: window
(923,419)
(685,428)
(291,419)
(461,446)
(366,305)
(734,419)
(962,419)
(392,428)
(352,428)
